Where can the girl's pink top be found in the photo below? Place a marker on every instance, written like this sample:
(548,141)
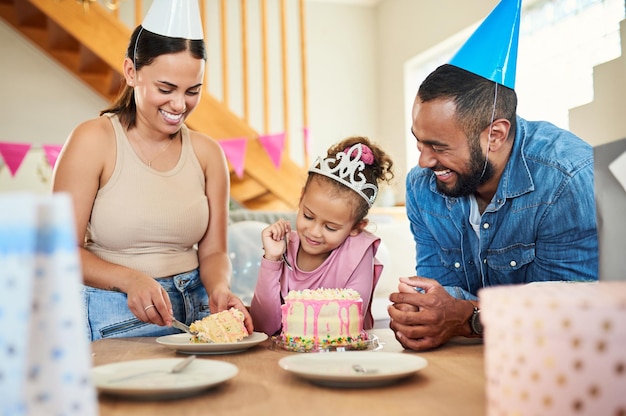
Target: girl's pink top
(351,265)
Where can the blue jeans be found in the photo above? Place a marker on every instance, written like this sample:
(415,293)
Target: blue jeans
(108,315)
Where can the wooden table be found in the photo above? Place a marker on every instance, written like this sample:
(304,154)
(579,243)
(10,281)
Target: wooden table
(453,383)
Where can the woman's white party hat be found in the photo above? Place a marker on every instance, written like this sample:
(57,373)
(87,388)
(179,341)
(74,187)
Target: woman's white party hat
(175,19)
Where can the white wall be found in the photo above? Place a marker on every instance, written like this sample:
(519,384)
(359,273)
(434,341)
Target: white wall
(41,103)
(602,121)
(343,72)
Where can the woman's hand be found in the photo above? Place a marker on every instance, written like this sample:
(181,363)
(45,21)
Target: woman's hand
(221,299)
(148,301)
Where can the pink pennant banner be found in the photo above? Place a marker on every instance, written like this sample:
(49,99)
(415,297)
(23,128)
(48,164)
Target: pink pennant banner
(235,151)
(307,140)
(14,154)
(274,144)
(52,153)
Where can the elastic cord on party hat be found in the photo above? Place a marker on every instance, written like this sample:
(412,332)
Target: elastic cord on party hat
(347,168)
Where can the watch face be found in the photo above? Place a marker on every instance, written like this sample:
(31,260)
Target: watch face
(477,326)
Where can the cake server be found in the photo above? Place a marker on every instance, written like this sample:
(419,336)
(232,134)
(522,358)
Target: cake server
(177,324)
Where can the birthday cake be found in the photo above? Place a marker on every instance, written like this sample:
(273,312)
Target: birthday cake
(221,327)
(321,319)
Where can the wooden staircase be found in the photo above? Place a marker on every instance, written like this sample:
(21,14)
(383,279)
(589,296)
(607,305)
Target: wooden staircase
(92,44)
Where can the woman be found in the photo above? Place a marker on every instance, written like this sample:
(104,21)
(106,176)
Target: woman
(150,197)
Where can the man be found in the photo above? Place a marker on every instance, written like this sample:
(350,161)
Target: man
(495,199)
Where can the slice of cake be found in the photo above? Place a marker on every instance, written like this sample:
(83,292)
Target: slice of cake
(322,318)
(225,326)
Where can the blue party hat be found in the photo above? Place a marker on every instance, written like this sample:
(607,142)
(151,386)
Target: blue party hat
(491,51)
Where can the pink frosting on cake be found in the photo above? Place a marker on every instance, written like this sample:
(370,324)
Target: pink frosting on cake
(322,317)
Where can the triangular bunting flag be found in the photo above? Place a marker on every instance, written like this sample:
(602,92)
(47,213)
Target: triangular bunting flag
(274,145)
(13,154)
(307,142)
(235,151)
(52,153)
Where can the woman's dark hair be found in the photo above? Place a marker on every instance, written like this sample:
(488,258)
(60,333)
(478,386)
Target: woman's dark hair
(473,96)
(380,170)
(143,47)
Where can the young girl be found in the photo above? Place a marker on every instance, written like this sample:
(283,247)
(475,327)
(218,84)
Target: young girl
(330,247)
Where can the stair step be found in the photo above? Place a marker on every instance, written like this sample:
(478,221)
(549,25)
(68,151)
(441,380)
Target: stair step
(89,62)
(246,189)
(267,202)
(28,15)
(59,39)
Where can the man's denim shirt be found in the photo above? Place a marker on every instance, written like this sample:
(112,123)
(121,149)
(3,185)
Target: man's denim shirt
(540,224)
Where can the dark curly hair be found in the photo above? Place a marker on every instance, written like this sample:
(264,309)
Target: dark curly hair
(473,96)
(379,171)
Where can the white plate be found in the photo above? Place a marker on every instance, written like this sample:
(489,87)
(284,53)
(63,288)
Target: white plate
(150,379)
(181,343)
(336,369)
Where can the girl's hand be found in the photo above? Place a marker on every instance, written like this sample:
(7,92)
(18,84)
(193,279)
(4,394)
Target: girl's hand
(273,238)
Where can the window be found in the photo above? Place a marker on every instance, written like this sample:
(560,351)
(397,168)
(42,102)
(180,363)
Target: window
(560,43)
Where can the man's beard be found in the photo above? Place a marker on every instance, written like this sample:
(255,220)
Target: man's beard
(480,170)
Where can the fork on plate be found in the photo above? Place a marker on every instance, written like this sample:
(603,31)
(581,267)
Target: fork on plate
(180,366)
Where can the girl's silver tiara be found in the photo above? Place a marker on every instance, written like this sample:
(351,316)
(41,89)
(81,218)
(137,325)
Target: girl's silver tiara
(347,168)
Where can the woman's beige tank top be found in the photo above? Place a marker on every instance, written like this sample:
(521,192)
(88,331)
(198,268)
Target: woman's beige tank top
(149,220)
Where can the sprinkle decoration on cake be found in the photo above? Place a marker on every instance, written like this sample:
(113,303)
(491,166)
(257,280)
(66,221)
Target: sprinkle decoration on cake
(320,319)
(221,327)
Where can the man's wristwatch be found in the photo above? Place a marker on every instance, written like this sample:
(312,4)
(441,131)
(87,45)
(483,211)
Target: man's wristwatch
(474,321)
